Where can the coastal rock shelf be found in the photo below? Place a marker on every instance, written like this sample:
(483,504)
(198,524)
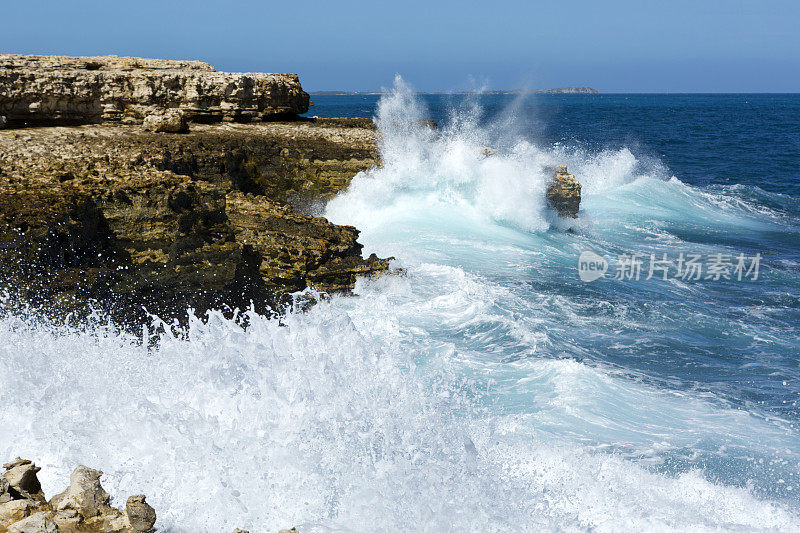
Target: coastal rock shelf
(54,89)
(113,214)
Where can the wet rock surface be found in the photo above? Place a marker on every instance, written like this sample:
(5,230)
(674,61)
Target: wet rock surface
(58,90)
(141,516)
(564,193)
(126,219)
(124,216)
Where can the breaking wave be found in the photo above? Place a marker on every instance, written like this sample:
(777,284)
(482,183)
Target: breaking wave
(480,389)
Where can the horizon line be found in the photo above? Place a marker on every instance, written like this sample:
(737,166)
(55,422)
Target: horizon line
(547,92)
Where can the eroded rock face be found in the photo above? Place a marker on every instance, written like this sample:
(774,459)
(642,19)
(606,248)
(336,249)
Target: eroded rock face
(57,89)
(564,193)
(312,252)
(20,481)
(21,497)
(84,495)
(116,215)
(83,508)
(16,510)
(141,516)
(36,523)
(168,122)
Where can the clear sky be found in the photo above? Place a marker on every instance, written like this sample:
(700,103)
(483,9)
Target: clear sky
(611,45)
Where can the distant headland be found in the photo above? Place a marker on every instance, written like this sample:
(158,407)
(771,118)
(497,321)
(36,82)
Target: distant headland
(558,90)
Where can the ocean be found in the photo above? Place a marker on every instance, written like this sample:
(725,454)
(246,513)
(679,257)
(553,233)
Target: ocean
(490,385)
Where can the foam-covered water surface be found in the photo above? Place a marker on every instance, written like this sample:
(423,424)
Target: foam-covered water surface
(314,423)
(483,387)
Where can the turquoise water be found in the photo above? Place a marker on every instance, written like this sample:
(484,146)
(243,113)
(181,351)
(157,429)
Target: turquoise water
(733,343)
(486,387)
(670,173)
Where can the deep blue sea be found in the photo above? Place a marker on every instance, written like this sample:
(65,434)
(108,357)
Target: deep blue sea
(706,139)
(487,386)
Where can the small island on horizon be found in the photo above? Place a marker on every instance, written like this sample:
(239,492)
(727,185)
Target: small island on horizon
(558,90)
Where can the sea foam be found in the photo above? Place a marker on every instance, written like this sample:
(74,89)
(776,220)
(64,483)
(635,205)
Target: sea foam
(451,397)
(311,422)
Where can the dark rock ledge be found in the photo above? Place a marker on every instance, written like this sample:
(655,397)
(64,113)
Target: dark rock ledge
(121,218)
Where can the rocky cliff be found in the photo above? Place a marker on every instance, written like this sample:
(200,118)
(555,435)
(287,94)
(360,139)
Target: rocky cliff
(126,219)
(53,89)
(114,214)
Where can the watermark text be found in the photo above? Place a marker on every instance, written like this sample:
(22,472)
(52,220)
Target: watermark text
(683,266)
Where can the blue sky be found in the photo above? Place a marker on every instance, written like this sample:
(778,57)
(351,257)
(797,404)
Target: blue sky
(613,46)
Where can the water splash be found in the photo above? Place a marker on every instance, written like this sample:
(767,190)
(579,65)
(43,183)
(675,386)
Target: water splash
(311,422)
(469,393)
(446,175)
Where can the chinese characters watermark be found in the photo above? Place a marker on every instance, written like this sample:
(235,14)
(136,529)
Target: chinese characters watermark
(686,267)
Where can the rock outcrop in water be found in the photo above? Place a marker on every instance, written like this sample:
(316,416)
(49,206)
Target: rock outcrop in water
(54,89)
(84,507)
(124,219)
(564,193)
(568,90)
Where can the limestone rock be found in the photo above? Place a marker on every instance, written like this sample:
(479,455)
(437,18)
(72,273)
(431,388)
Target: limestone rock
(20,492)
(22,483)
(128,219)
(5,495)
(83,508)
(67,520)
(36,523)
(15,510)
(59,89)
(109,521)
(141,516)
(564,193)
(3,121)
(84,495)
(168,122)
(311,252)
